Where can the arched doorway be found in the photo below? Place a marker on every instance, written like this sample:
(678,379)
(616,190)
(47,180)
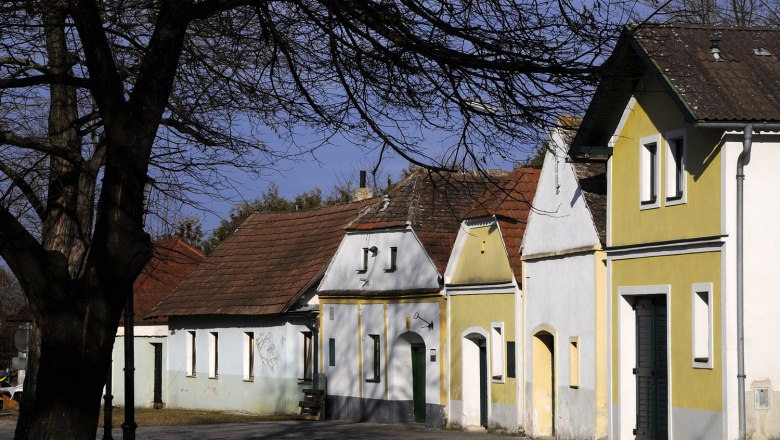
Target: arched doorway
(407,368)
(475,383)
(543,352)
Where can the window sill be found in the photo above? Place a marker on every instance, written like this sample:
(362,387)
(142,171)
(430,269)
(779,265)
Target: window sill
(649,204)
(671,201)
(191,375)
(373,380)
(251,379)
(304,380)
(390,270)
(213,377)
(362,270)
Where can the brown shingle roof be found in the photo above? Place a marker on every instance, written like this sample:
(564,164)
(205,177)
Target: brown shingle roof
(743,88)
(265,265)
(431,203)
(172,261)
(510,202)
(593,181)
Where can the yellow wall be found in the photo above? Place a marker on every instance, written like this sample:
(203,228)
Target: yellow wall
(694,388)
(479,311)
(480,263)
(656,113)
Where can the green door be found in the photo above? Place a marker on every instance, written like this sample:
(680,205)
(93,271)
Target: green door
(418,382)
(483,392)
(651,369)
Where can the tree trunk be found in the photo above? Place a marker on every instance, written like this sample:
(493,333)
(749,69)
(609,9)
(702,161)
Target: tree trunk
(63,388)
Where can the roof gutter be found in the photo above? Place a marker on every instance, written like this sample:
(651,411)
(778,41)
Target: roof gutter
(747,129)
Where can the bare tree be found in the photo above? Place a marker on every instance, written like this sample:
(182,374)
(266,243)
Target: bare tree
(101,99)
(711,12)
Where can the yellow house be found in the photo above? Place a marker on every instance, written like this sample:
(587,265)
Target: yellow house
(383,306)
(679,110)
(482,282)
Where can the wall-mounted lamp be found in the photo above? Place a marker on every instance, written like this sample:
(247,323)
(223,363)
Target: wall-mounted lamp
(374,250)
(429,324)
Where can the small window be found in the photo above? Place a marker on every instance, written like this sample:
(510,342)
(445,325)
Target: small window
(213,354)
(249,356)
(191,355)
(331,313)
(574,362)
(374,362)
(331,352)
(649,173)
(675,170)
(702,325)
(497,351)
(308,356)
(363,261)
(392,258)
(511,370)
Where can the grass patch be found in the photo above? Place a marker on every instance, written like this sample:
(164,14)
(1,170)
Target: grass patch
(164,417)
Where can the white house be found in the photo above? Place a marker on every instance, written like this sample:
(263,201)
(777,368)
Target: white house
(382,302)
(242,327)
(564,308)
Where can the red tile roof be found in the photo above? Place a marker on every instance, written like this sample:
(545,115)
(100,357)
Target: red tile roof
(172,261)
(265,265)
(431,204)
(510,201)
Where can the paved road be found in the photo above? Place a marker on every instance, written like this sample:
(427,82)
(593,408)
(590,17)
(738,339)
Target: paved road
(293,429)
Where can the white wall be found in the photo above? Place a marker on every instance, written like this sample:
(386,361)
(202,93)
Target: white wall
(414,269)
(560,219)
(559,298)
(278,357)
(345,379)
(762,282)
(143,353)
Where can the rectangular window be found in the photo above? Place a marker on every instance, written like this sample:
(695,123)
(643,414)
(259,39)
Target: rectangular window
(702,325)
(574,362)
(213,354)
(497,351)
(392,258)
(363,261)
(511,370)
(373,362)
(331,352)
(675,170)
(249,356)
(191,371)
(649,173)
(308,356)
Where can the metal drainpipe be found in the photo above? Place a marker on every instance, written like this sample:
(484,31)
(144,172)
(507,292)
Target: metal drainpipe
(742,160)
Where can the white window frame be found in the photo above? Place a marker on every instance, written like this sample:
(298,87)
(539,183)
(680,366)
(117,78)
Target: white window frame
(497,356)
(191,354)
(701,325)
(645,168)
(671,168)
(372,359)
(248,342)
(213,355)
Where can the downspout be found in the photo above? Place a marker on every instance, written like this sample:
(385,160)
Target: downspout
(742,160)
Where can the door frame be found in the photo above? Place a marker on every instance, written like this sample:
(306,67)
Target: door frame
(626,354)
(418,399)
(479,338)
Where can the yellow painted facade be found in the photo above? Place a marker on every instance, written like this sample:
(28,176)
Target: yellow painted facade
(693,388)
(654,113)
(481,310)
(482,257)
(601,342)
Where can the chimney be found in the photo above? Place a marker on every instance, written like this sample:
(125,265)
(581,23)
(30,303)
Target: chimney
(362,193)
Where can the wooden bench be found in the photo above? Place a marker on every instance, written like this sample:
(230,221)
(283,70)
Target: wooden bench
(312,404)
